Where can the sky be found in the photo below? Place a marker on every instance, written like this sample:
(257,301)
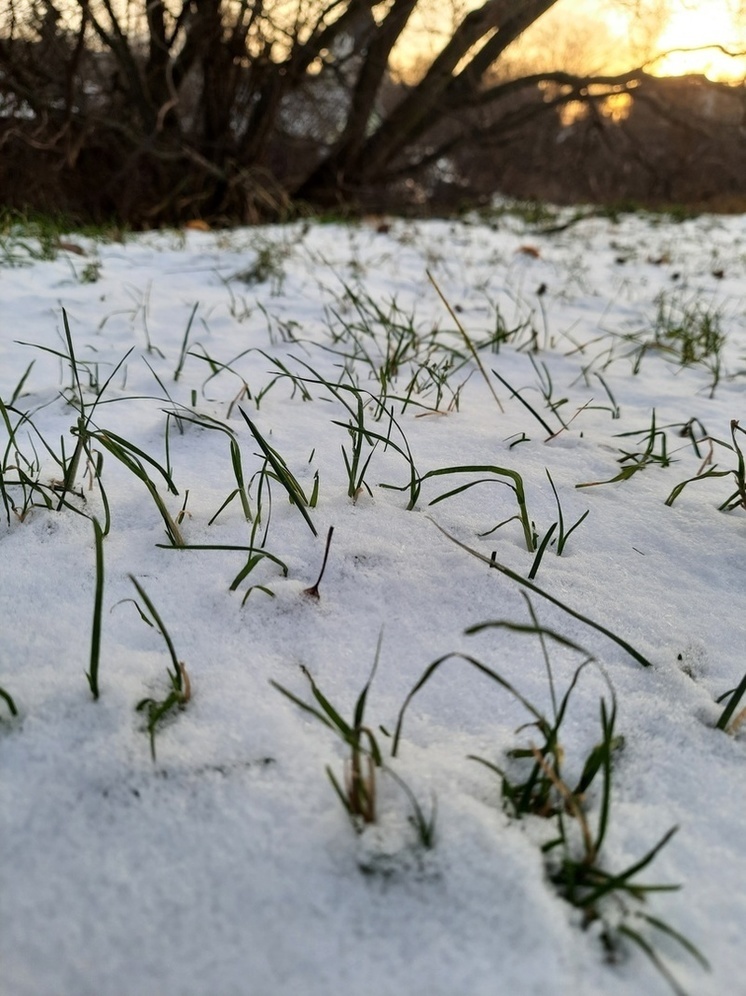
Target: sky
(712,22)
(587,36)
(601,30)
(687,24)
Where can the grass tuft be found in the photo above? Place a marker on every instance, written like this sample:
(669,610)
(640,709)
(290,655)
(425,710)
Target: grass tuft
(533,783)
(358,792)
(738,498)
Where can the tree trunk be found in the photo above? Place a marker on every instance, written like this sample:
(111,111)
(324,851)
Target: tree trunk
(359,160)
(328,179)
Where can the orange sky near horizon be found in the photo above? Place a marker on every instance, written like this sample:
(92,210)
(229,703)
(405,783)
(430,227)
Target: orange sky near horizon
(704,24)
(606,36)
(694,25)
(601,35)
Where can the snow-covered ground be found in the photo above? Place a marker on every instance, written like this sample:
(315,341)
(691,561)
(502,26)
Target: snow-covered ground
(228,865)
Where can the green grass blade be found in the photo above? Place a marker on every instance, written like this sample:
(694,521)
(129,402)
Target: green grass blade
(430,671)
(125,454)
(360,705)
(690,480)
(72,360)
(563,536)
(516,484)
(311,710)
(622,881)
(7,698)
(19,386)
(182,355)
(238,474)
(341,794)
(251,563)
(633,935)
(339,724)
(735,698)
(602,756)
(525,403)
(294,490)
(540,552)
(526,628)
(635,654)
(164,632)
(156,711)
(92,674)
(114,442)
(467,341)
(102,491)
(676,936)
(424,825)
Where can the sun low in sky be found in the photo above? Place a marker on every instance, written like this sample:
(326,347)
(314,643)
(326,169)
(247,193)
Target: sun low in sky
(706,23)
(593,36)
(610,36)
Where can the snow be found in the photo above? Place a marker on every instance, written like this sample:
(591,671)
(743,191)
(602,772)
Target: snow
(228,865)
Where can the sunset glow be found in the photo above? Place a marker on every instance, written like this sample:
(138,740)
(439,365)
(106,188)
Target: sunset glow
(706,24)
(596,36)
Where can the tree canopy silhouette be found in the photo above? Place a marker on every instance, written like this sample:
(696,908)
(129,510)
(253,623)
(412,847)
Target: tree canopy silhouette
(163,110)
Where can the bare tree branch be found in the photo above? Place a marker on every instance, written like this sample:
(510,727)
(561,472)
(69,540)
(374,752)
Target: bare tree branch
(197,104)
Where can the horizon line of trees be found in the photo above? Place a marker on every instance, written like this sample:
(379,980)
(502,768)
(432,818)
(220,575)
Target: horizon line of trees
(162,111)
